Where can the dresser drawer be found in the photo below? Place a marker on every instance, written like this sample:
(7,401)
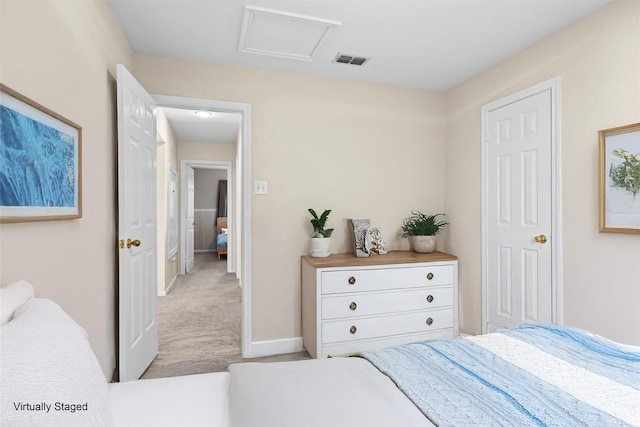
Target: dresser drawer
(379,279)
(369,303)
(381,326)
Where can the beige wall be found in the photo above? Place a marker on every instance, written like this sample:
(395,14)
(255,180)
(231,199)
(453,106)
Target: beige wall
(63,55)
(206,187)
(210,152)
(167,156)
(363,150)
(598,61)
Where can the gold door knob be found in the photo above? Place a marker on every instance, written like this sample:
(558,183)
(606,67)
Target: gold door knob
(429,276)
(353,329)
(429,321)
(430,298)
(352,280)
(540,239)
(353,306)
(133,243)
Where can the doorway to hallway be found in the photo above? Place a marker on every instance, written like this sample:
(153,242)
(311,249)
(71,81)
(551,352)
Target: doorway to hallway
(242,177)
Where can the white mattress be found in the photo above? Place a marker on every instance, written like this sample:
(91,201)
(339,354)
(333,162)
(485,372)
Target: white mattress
(191,400)
(323,392)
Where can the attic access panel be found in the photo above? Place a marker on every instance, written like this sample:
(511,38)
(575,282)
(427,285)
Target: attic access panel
(282,34)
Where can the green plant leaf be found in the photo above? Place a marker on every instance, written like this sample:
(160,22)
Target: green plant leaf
(318,223)
(419,224)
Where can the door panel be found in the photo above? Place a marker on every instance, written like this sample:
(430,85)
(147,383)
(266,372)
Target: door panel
(518,197)
(138,337)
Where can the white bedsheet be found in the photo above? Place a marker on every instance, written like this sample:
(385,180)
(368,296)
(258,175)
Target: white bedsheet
(323,392)
(191,400)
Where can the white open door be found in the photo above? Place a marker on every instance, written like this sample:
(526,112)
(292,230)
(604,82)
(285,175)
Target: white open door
(138,327)
(519,174)
(190,222)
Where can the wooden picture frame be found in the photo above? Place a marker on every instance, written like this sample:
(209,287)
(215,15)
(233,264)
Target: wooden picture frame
(40,162)
(620,179)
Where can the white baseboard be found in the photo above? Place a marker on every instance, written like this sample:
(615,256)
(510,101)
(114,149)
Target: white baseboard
(166,291)
(273,347)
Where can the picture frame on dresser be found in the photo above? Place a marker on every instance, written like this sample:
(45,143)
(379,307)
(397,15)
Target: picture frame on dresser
(352,304)
(41,154)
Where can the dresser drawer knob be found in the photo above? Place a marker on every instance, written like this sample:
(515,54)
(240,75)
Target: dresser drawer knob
(352,280)
(353,329)
(429,276)
(430,298)
(429,321)
(353,306)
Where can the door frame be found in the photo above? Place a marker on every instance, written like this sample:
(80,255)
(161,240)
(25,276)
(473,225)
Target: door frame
(556,195)
(206,164)
(243,267)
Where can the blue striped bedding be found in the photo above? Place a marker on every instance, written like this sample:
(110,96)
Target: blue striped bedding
(529,376)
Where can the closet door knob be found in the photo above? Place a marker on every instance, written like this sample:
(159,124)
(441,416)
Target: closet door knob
(429,276)
(353,329)
(353,306)
(429,321)
(540,239)
(352,280)
(430,298)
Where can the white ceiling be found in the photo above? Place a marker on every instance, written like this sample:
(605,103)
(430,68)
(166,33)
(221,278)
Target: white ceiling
(426,44)
(219,128)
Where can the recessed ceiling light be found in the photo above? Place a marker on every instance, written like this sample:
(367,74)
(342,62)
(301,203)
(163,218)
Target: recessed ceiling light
(204,114)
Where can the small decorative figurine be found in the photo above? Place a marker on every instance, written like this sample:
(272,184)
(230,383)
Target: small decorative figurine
(375,243)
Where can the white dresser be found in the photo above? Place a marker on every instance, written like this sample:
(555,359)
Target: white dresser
(352,304)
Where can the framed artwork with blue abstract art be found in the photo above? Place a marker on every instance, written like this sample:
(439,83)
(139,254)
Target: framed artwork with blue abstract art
(40,162)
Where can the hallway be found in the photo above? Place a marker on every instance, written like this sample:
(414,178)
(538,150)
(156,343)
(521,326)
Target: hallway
(199,323)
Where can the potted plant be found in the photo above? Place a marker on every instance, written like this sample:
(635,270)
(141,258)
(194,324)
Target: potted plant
(321,237)
(421,229)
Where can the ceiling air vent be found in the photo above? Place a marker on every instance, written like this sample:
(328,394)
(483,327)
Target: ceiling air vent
(341,58)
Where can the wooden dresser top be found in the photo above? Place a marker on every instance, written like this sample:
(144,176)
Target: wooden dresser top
(393,257)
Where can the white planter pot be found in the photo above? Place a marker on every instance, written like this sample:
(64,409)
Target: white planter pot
(320,247)
(423,244)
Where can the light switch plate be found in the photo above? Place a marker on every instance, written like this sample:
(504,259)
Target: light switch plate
(261,187)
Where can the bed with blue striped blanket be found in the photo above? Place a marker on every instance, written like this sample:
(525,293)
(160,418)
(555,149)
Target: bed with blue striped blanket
(529,376)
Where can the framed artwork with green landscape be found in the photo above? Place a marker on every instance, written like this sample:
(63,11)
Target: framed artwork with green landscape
(620,179)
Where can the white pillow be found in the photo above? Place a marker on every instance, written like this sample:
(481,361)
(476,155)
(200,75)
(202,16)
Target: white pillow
(12,297)
(50,376)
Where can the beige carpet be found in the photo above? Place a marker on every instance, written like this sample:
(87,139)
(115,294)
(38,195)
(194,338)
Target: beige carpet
(199,323)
